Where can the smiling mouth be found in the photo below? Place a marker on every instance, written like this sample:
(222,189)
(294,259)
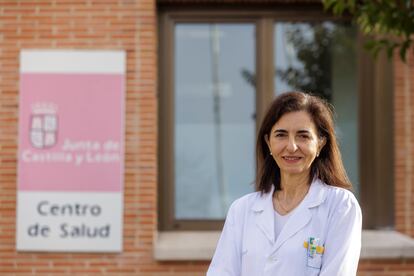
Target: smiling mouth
(291,158)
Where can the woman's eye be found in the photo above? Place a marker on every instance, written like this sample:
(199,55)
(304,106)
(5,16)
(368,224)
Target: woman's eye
(304,136)
(280,135)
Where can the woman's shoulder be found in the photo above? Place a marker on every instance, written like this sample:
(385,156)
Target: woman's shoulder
(247,199)
(339,193)
(245,202)
(340,197)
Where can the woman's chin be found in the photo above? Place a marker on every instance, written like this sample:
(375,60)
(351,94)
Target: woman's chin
(294,172)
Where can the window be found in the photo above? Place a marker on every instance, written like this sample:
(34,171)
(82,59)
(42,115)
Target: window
(322,57)
(218,71)
(214,117)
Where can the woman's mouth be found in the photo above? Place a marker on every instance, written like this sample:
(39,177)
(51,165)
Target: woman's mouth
(291,159)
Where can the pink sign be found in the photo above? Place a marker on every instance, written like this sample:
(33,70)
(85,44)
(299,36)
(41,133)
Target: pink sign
(71,132)
(71,151)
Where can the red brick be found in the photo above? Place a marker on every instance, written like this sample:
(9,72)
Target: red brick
(120,24)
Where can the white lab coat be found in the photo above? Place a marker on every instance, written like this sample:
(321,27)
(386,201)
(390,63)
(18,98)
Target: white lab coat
(248,247)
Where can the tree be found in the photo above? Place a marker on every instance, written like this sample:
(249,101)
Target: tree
(314,44)
(389,22)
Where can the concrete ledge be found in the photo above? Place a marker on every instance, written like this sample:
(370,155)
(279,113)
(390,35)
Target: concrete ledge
(386,245)
(200,245)
(185,246)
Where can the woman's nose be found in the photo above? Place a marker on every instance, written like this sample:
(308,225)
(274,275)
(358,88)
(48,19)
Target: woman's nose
(292,146)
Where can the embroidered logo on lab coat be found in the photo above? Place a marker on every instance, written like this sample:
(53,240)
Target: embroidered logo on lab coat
(314,252)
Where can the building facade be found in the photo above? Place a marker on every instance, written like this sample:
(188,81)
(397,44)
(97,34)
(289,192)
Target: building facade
(199,74)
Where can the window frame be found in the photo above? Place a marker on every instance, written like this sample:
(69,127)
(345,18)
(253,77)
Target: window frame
(375,74)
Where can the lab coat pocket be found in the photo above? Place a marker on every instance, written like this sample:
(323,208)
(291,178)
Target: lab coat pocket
(314,265)
(312,271)
(315,261)
(314,253)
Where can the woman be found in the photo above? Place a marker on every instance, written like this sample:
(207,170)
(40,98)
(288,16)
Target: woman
(302,220)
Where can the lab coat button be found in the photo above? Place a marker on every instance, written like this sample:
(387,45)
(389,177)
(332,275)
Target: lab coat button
(272,259)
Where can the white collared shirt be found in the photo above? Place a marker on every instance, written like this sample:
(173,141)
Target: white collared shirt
(248,245)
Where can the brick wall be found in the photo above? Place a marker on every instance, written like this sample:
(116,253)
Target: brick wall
(386,268)
(131,26)
(75,24)
(403,145)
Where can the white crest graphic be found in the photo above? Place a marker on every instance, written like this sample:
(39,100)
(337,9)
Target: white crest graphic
(43,125)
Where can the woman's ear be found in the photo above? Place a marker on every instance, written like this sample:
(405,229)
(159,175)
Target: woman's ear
(322,143)
(266,137)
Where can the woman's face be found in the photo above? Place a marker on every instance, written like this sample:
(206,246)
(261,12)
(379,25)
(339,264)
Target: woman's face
(294,143)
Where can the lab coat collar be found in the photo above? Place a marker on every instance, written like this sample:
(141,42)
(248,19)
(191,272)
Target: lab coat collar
(317,193)
(263,208)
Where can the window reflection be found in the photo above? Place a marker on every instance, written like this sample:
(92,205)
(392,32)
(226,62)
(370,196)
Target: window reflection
(320,58)
(214,118)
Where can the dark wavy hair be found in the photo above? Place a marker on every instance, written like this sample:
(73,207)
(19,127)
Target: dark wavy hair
(327,166)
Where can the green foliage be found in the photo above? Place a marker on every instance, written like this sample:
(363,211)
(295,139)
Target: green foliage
(313,51)
(390,22)
(315,46)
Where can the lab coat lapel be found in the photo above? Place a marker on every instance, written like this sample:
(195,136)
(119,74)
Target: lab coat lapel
(302,215)
(299,219)
(264,215)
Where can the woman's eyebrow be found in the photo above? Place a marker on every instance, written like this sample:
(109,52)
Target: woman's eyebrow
(285,131)
(302,131)
(280,131)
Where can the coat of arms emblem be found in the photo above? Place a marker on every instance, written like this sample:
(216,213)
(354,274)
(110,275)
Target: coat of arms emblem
(43,125)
